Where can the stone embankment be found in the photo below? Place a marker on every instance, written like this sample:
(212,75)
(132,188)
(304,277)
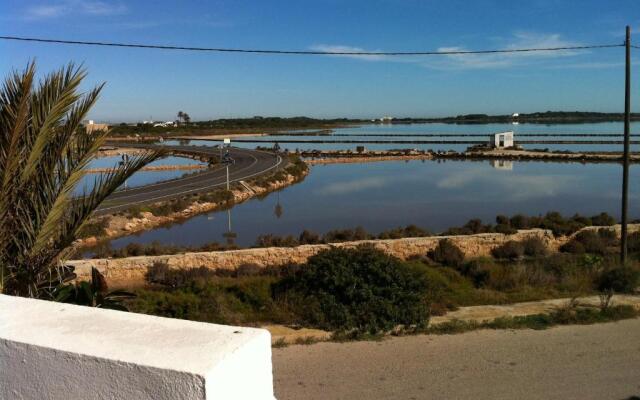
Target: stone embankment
(131,271)
(347,156)
(364,159)
(524,155)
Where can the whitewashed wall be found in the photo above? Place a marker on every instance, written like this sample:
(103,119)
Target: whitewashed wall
(58,351)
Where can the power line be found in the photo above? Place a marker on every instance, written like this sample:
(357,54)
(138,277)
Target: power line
(308,52)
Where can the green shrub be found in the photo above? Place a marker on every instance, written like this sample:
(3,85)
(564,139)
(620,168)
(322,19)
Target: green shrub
(510,250)
(535,247)
(603,219)
(573,247)
(94,228)
(592,242)
(447,253)
(361,289)
(619,280)
(633,242)
(308,237)
(346,235)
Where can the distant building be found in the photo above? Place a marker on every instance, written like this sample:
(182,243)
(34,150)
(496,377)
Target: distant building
(361,149)
(515,115)
(90,126)
(386,119)
(164,124)
(503,140)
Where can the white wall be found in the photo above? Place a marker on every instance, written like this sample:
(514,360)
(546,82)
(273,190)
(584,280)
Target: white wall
(59,351)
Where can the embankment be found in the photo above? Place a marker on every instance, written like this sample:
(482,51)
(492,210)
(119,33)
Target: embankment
(123,225)
(131,271)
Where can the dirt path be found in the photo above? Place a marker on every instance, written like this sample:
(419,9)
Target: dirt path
(280,334)
(571,362)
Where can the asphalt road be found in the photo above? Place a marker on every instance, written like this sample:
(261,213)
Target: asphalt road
(572,362)
(248,164)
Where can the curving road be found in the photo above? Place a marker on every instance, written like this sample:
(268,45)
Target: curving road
(248,164)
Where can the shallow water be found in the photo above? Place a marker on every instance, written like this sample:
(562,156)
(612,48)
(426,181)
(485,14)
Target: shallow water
(140,178)
(431,194)
(399,132)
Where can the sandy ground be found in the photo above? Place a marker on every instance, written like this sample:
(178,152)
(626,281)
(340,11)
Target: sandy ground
(572,362)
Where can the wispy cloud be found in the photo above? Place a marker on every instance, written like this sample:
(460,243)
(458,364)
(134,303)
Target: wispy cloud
(519,40)
(349,49)
(74,7)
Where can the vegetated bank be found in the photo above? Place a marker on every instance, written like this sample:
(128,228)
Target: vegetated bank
(143,217)
(361,291)
(256,125)
(474,238)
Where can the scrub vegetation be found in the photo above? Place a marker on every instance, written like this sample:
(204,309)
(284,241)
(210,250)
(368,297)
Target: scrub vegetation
(363,291)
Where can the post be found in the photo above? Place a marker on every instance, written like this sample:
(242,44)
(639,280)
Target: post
(227,176)
(625,157)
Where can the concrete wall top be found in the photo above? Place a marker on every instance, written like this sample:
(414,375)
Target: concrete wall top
(222,358)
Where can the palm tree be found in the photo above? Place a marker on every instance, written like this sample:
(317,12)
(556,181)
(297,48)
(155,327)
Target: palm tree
(180,116)
(44,153)
(187,118)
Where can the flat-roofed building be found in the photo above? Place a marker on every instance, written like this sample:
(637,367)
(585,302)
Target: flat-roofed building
(91,126)
(502,140)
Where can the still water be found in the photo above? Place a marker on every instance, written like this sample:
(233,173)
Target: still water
(399,132)
(431,194)
(139,178)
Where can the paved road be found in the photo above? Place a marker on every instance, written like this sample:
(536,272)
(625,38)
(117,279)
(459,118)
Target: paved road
(248,164)
(573,362)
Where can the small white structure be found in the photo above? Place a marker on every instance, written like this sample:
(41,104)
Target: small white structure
(60,351)
(515,115)
(503,140)
(505,165)
(386,119)
(90,126)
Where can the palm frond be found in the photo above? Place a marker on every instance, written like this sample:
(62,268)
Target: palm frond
(44,154)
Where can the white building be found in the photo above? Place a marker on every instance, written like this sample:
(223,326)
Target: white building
(503,140)
(506,165)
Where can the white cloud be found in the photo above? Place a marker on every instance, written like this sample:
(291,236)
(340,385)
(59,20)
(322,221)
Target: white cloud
(74,7)
(349,49)
(519,40)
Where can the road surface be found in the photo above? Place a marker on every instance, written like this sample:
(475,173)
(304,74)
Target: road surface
(571,362)
(248,164)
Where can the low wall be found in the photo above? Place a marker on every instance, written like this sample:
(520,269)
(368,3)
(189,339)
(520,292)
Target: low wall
(131,271)
(60,351)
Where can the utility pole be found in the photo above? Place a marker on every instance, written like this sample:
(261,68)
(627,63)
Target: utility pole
(625,157)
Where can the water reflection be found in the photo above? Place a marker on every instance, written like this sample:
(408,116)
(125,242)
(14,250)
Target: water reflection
(385,195)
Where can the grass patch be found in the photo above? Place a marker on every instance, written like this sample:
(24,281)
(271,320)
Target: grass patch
(564,316)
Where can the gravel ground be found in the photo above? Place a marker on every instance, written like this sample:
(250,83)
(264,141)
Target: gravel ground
(572,362)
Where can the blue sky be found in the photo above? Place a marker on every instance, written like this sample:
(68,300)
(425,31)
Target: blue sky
(151,83)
